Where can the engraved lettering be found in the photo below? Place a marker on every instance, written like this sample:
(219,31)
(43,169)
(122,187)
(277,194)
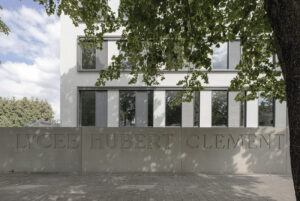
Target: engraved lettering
(279,140)
(73,141)
(204,143)
(126,141)
(23,141)
(251,141)
(45,141)
(140,141)
(112,140)
(235,143)
(60,140)
(219,141)
(96,141)
(192,141)
(266,141)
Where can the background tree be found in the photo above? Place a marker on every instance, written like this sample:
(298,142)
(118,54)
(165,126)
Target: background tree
(3,28)
(175,34)
(18,113)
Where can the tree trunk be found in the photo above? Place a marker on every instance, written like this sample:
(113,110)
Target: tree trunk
(284,16)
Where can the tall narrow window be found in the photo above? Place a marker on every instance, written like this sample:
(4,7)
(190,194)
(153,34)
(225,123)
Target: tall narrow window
(150,108)
(173,109)
(127,108)
(220,57)
(219,108)
(243,114)
(87,110)
(197,109)
(266,111)
(88,58)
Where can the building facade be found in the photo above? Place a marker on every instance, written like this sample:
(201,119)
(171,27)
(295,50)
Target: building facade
(120,105)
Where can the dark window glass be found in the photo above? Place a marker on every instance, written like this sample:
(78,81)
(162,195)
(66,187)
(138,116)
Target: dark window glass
(266,111)
(150,108)
(197,109)
(243,114)
(127,108)
(87,102)
(220,55)
(219,108)
(88,58)
(173,109)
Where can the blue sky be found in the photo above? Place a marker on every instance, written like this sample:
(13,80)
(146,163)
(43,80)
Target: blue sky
(13,4)
(30,54)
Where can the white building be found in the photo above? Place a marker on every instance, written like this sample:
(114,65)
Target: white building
(119,104)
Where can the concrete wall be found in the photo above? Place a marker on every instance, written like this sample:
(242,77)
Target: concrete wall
(40,149)
(90,149)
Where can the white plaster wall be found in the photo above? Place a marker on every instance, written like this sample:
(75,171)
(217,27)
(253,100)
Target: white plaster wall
(205,108)
(113,108)
(188,114)
(252,113)
(280,114)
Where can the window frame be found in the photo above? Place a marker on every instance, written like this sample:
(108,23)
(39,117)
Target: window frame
(79,56)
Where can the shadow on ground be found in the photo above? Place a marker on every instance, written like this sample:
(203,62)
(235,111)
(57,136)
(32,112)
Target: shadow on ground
(145,187)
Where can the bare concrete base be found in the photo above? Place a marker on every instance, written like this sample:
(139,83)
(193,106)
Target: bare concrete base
(145,187)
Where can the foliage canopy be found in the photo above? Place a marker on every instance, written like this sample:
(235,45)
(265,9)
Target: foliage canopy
(159,35)
(17,113)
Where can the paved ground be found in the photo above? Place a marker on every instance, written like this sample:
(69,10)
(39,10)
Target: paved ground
(142,187)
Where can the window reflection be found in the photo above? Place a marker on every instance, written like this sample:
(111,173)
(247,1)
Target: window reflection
(243,114)
(220,55)
(197,109)
(266,111)
(219,108)
(127,108)
(173,109)
(87,102)
(88,58)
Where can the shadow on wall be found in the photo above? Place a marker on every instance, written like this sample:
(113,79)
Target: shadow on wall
(235,150)
(158,119)
(90,149)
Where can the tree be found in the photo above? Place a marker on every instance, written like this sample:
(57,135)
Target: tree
(3,28)
(174,34)
(17,113)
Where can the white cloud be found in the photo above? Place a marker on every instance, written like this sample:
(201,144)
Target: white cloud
(30,56)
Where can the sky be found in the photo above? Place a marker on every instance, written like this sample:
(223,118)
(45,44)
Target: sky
(29,55)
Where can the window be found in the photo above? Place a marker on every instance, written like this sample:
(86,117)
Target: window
(88,58)
(266,111)
(243,114)
(92,59)
(150,108)
(173,109)
(220,57)
(87,104)
(136,108)
(93,108)
(219,108)
(127,108)
(197,109)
